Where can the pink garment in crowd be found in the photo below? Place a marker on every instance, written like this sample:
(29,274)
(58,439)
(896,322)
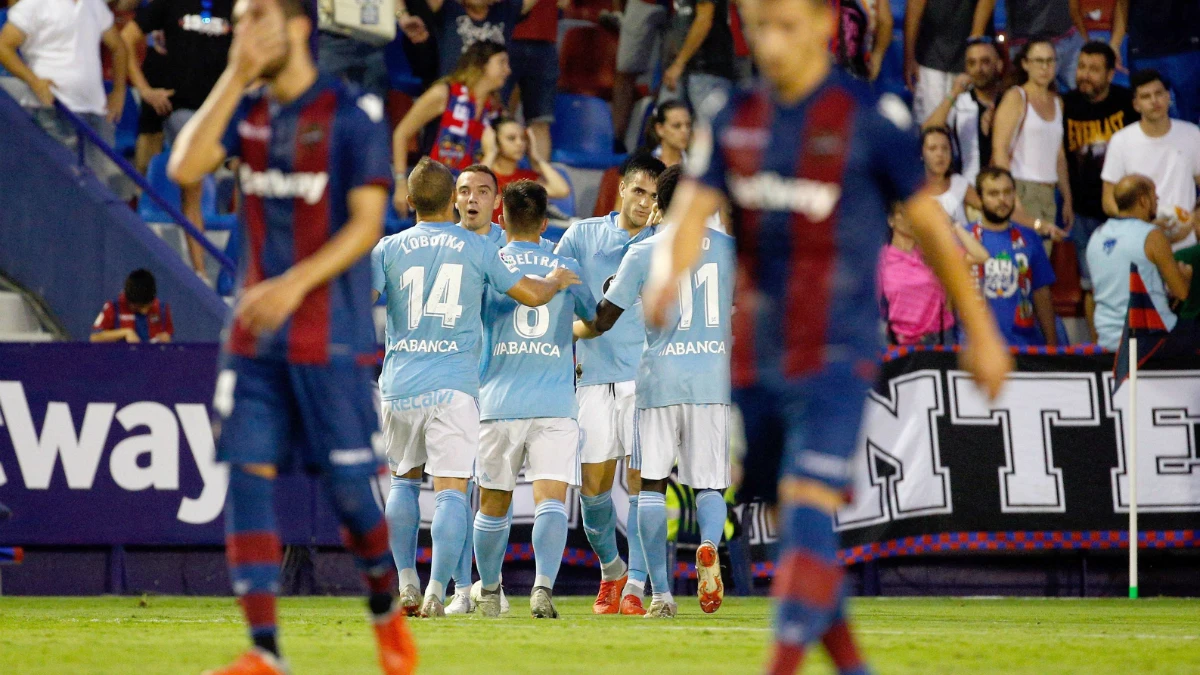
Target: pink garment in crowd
(915,298)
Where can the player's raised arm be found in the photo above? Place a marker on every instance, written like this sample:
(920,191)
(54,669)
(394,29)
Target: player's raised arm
(986,355)
(534,291)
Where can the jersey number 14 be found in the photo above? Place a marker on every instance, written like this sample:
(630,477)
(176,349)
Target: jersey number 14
(443,299)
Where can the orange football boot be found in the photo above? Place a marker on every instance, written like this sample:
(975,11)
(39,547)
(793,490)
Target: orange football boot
(608,600)
(253,662)
(397,650)
(631,605)
(708,577)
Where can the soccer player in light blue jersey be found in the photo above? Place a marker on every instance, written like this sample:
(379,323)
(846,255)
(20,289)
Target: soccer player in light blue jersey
(433,275)
(475,197)
(682,401)
(605,388)
(527,407)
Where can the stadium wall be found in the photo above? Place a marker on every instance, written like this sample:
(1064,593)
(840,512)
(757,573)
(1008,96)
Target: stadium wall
(67,238)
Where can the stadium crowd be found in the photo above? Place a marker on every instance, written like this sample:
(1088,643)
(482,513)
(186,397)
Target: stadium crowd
(477,82)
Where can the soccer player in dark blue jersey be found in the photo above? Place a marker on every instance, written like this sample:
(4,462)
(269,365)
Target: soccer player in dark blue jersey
(809,162)
(315,176)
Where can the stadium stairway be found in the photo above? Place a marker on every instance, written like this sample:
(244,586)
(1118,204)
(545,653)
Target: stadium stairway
(71,242)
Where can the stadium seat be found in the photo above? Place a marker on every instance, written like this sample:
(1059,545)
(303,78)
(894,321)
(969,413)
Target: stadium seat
(587,62)
(400,74)
(566,204)
(586,10)
(606,196)
(638,122)
(156,175)
(127,126)
(582,132)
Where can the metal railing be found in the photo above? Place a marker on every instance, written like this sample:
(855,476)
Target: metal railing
(89,135)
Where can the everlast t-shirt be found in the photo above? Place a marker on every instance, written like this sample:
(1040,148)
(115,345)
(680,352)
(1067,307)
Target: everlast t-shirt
(1087,129)
(198,34)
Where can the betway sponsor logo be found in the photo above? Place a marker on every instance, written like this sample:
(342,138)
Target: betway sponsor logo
(150,459)
(535,348)
(275,184)
(701,347)
(424,346)
(772,192)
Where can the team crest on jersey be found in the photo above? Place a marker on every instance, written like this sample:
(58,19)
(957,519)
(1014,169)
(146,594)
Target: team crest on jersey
(312,134)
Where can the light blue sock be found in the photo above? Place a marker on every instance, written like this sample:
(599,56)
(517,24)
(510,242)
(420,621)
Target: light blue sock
(652,531)
(637,560)
(549,540)
(711,514)
(600,525)
(462,574)
(491,539)
(403,513)
(451,521)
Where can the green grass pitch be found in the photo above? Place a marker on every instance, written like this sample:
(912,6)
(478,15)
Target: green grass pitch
(330,635)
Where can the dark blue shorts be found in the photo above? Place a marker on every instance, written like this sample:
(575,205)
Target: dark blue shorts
(535,71)
(319,418)
(804,429)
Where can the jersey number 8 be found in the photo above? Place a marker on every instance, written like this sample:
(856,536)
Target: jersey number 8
(531,322)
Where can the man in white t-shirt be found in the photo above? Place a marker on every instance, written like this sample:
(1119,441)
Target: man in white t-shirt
(1165,150)
(60,60)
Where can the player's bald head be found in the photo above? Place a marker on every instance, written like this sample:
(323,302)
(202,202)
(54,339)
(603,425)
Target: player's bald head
(430,188)
(1131,190)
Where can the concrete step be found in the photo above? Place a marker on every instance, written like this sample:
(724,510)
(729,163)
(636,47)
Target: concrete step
(15,315)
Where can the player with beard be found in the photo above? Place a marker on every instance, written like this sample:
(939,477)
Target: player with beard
(809,162)
(299,351)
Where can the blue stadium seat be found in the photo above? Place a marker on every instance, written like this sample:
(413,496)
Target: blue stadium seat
(891,73)
(582,132)
(127,126)
(566,204)
(156,175)
(400,75)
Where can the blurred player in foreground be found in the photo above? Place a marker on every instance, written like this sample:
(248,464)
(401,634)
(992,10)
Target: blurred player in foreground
(809,162)
(682,401)
(315,174)
(434,275)
(527,407)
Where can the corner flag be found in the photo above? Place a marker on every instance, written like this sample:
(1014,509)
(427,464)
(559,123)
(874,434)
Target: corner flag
(1142,321)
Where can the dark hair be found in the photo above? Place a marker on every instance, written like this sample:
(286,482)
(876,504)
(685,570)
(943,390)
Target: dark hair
(1022,74)
(1146,76)
(524,206)
(666,184)
(294,8)
(642,162)
(659,116)
(991,173)
(1098,48)
(472,62)
(931,131)
(140,287)
(482,168)
(430,187)
(1130,190)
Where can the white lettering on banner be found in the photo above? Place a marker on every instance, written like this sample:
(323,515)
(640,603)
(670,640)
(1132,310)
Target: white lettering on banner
(900,431)
(38,454)
(275,184)
(772,192)
(1168,461)
(1029,407)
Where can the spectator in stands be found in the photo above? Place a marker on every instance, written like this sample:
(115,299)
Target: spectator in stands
(199,33)
(353,60)
(935,39)
(969,109)
(1017,276)
(1131,238)
(644,23)
(699,46)
(1190,309)
(1059,22)
(863,37)
(137,315)
(533,54)
(150,122)
(505,145)
(1164,150)
(467,101)
(670,132)
(1093,111)
(1164,35)
(912,300)
(458,24)
(1027,135)
(60,60)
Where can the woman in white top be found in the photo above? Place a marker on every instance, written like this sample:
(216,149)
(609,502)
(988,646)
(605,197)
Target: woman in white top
(951,190)
(1027,135)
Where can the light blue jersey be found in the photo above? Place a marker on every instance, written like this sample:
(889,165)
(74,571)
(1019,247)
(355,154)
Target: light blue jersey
(530,370)
(1117,243)
(599,245)
(433,276)
(496,236)
(688,362)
